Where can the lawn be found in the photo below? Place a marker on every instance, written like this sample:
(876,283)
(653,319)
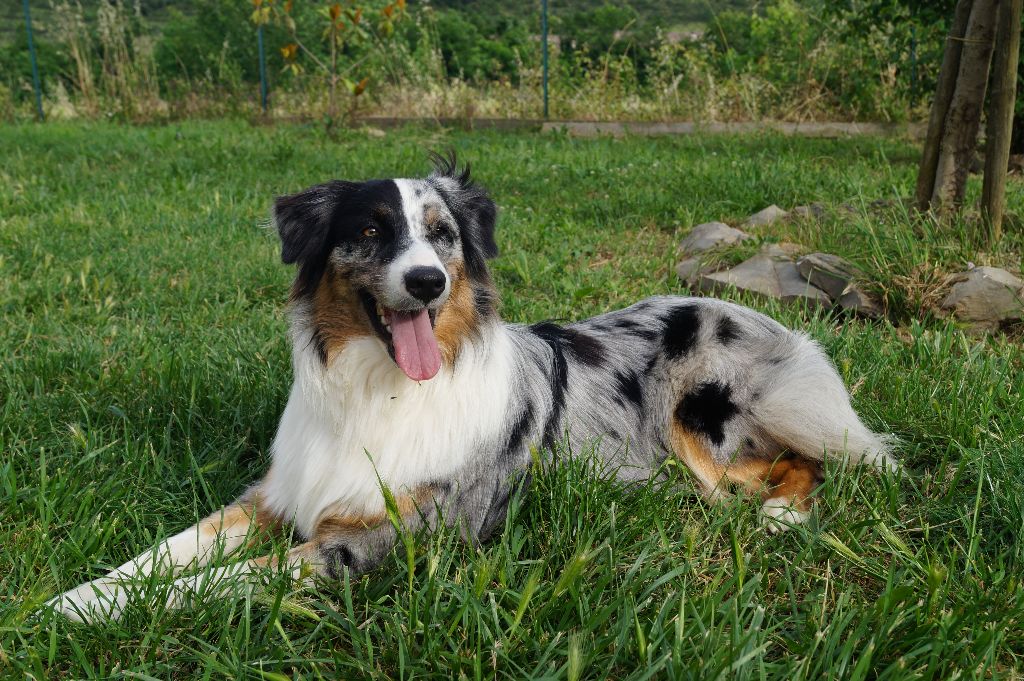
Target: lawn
(144,364)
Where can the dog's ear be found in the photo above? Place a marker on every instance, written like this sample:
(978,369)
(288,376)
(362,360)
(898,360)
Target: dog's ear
(304,219)
(469,203)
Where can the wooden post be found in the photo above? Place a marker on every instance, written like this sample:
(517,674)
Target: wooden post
(1000,115)
(963,120)
(940,105)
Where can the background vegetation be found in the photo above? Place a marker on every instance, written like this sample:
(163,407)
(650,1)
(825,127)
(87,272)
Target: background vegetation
(145,365)
(692,59)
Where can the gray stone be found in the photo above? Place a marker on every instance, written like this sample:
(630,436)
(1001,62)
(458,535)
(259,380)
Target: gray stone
(711,235)
(783,250)
(828,272)
(856,301)
(986,295)
(689,269)
(765,217)
(768,276)
(812,211)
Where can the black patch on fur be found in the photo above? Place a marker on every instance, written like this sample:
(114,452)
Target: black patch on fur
(473,210)
(486,300)
(651,363)
(584,348)
(626,324)
(552,334)
(336,559)
(682,326)
(727,331)
(628,385)
(706,410)
(326,216)
(519,432)
(316,340)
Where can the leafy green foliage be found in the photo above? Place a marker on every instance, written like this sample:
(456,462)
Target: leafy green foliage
(480,47)
(215,41)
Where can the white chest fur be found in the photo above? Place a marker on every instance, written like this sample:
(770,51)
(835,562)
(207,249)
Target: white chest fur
(362,418)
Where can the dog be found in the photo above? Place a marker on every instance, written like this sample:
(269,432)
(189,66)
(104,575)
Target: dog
(414,405)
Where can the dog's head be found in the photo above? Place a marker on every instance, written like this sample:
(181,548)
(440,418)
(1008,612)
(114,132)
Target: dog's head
(403,260)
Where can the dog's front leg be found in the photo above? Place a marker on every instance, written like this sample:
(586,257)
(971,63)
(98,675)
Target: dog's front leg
(341,543)
(220,533)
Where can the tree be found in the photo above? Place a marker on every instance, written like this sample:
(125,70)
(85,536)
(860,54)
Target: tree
(958,104)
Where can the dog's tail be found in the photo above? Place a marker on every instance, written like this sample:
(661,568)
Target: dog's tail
(808,411)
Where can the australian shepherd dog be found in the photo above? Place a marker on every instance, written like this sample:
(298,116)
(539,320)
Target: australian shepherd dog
(413,405)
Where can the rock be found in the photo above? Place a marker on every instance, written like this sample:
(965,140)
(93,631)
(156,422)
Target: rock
(828,272)
(769,276)
(374,132)
(856,301)
(765,217)
(784,250)
(688,269)
(711,235)
(813,211)
(986,296)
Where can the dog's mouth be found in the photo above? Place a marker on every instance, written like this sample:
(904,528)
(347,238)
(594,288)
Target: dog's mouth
(408,335)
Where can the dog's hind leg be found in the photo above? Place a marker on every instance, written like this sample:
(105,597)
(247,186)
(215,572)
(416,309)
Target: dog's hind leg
(219,534)
(784,480)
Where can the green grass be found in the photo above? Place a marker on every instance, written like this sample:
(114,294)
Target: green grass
(144,365)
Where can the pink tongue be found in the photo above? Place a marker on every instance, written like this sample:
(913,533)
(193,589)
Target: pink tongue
(416,350)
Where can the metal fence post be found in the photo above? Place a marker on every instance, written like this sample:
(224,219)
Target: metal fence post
(263,68)
(544,49)
(35,65)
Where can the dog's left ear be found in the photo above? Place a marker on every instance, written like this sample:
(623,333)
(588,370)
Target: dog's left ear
(304,219)
(472,208)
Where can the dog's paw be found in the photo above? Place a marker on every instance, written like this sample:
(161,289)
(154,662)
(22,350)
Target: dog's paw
(780,516)
(96,601)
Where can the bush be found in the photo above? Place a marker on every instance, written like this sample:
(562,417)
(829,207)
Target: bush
(217,43)
(16,66)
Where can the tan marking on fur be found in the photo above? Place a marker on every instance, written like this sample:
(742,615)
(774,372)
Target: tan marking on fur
(249,511)
(458,317)
(304,551)
(336,522)
(338,316)
(792,478)
(430,215)
(695,454)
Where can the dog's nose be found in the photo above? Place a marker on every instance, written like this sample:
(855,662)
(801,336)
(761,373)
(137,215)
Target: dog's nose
(425,283)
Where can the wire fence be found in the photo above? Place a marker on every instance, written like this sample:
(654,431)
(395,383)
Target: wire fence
(264,86)
(545,40)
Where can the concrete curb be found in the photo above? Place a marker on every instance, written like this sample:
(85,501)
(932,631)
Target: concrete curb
(825,129)
(808,129)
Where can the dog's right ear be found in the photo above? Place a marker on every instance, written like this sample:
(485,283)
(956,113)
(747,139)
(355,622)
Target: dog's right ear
(304,219)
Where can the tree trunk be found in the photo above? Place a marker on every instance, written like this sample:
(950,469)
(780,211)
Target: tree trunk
(940,105)
(1000,115)
(960,137)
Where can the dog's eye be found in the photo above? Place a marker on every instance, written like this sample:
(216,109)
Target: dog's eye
(370,232)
